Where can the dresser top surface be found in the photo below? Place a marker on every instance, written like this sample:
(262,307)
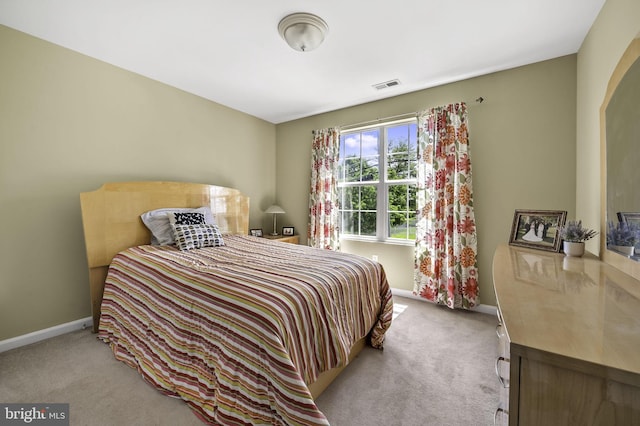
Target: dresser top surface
(581,308)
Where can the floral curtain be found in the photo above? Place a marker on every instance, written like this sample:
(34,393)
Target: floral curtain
(446,270)
(323,199)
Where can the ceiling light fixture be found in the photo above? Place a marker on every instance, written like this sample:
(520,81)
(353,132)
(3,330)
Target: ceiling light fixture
(303,31)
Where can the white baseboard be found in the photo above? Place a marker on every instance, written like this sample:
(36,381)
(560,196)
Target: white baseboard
(47,333)
(484,309)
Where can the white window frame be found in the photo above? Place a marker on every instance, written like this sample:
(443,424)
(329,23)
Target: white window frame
(382,185)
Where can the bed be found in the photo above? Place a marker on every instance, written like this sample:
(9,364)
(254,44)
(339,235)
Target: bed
(246,332)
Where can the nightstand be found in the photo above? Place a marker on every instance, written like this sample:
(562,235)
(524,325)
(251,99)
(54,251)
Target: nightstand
(293,239)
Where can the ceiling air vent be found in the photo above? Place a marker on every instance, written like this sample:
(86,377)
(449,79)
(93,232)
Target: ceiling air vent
(387,84)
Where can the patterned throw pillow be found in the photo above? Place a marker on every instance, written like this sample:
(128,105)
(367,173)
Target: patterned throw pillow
(197,236)
(180,218)
(157,221)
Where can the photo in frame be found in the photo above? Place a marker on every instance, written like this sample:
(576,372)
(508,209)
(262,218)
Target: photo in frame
(629,217)
(537,229)
(256,232)
(287,230)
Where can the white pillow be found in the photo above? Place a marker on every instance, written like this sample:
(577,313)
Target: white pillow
(157,221)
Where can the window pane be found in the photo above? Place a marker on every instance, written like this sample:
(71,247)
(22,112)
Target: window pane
(398,197)
(413,137)
(402,225)
(370,143)
(352,169)
(398,225)
(401,211)
(370,170)
(348,197)
(411,221)
(398,166)
(350,145)
(397,139)
(413,164)
(412,207)
(401,150)
(359,156)
(413,150)
(350,157)
(368,200)
(368,223)
(349,222)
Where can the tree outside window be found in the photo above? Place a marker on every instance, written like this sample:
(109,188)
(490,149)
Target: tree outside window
(377,182)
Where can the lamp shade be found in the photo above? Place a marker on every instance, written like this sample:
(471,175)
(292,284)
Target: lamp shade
(303,31)
(276,209)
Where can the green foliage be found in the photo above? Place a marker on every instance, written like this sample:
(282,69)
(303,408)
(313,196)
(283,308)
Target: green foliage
(362,199)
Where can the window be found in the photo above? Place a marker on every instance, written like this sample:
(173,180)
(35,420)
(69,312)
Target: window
(377,182)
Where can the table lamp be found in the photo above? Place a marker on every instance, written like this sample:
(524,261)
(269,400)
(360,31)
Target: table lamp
(275,210)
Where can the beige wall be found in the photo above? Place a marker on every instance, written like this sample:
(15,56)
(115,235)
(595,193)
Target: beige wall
(68,123)
(616,26)
(522,147)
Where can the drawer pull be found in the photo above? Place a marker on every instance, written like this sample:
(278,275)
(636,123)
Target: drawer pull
(501,411)
(500,378)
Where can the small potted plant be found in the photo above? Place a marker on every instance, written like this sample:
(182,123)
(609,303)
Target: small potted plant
(622,237)
(574,235)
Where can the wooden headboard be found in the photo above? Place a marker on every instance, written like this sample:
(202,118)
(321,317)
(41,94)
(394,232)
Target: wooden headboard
(111,219)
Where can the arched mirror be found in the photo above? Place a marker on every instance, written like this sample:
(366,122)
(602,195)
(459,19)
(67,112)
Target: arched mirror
(620,140)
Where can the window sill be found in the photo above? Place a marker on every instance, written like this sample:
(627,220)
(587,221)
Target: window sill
(394,242)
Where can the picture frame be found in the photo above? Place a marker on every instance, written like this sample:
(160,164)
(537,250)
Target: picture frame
(537,229)
(287,231)
(629,217)
(256,232)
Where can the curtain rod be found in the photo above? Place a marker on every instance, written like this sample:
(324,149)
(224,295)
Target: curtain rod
(393,117)
(378,120)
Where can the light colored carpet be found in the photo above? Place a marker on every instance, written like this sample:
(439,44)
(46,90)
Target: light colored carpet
(436,369)
(398,308)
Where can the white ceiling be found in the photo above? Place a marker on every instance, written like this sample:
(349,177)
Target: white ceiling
(231,53)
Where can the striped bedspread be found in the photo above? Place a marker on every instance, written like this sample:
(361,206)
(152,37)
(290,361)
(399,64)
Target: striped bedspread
(239,331)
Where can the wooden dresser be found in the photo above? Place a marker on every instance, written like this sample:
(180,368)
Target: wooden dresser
(569,331)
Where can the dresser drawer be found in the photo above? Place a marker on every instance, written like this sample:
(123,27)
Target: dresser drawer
(502,367)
